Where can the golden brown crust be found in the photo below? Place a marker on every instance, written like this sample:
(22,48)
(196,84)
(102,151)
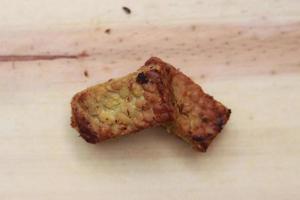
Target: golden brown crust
(157,94)
(197,117)
(121,106)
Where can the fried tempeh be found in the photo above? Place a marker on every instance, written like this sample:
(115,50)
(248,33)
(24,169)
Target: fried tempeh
(157,94)
(121,106)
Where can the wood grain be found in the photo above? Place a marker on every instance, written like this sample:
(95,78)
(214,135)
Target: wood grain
(253,68)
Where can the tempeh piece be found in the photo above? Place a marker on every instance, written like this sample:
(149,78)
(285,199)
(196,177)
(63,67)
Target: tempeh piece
(121,106)
(157,94)
(197,117)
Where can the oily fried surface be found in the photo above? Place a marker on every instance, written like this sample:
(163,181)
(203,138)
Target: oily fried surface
(197,117)
(121,106)
(157,94)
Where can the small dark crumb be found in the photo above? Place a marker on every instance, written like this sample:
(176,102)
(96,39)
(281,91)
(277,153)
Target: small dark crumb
(107,31)
(86,73)
(273,72)
(142,78)
(126,10)
(193,27)
(83,54)
(229,113)
(202,76)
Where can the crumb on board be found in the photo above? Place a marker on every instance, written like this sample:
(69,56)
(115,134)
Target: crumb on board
(126,10)
(273,72)
(193,27)
(86,73)
(83,54)
(107,31)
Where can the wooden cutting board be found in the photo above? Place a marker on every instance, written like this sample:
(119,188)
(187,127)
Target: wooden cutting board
(245,54)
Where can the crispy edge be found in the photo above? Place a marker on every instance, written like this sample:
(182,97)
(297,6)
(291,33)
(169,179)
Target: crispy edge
(81,120)
(202,139)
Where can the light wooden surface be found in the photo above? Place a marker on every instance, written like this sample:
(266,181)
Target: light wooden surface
(244,53)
